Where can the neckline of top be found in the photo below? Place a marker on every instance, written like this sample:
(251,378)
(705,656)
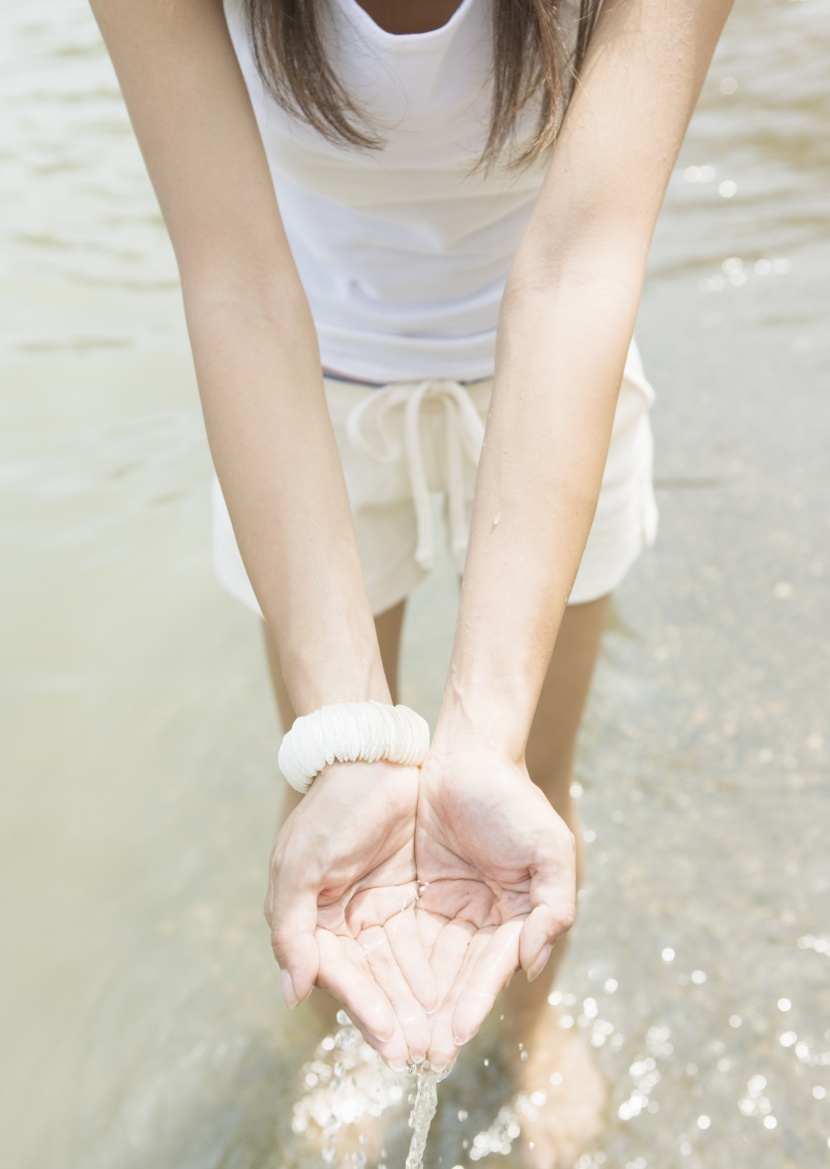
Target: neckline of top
(409,39)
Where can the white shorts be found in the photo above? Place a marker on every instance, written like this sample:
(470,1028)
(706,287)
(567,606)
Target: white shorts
(402,442)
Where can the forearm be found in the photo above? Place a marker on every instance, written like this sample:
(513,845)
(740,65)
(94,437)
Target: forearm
(567,319)
(274,450)
(253,342)
(560,360)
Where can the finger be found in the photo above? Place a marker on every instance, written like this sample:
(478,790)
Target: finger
(387,973)
(394,1049)
(408,948)
(443,1048)
(344,976)
(293,916)
(493,969)
(429,926)
(449,953)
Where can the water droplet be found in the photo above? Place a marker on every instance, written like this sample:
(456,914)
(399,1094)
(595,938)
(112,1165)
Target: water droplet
(698,977)
(735,1021)
(728,86)
(770,1122)
(703,1122)
(727,189)
(784,1004)
(668,954)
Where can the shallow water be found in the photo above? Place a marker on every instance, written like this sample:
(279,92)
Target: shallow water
(140,1015)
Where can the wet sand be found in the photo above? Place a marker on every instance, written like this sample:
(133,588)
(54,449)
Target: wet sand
(140,1014)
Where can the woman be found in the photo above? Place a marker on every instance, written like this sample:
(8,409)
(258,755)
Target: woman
(451,248)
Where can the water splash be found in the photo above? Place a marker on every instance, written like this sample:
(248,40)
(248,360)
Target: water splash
(346,1087)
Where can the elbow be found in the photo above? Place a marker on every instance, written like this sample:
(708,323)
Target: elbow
(217,302)
(597,254)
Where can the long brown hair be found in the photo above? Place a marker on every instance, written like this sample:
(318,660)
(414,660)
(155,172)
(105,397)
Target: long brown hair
(531,65)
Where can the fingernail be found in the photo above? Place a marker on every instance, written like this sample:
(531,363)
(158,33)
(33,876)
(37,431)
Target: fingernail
(461,1042)
(288,992)
(539,965)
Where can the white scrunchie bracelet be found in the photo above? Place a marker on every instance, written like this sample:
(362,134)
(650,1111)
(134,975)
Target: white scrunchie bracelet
(348,732)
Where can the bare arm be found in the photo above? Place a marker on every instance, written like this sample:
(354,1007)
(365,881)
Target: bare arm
(566,323)
(493,857)
(253,340)
(260,381)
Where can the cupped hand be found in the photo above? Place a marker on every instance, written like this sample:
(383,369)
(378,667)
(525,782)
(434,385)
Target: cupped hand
(341,905)
(496,870)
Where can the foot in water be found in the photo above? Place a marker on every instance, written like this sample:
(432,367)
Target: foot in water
(559,1099)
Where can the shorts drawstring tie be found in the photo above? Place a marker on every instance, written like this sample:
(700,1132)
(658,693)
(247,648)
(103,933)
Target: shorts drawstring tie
(464,435)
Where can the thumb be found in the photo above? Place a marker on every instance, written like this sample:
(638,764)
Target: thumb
(539,934)
(553,897)
(294,941)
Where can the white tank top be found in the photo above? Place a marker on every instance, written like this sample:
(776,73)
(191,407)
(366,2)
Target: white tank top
(403,255)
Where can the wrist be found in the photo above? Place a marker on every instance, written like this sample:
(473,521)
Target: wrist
(314,684)
(335,659)
(479,716)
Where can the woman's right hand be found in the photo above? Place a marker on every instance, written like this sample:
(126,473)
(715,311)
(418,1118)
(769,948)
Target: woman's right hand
(341,905)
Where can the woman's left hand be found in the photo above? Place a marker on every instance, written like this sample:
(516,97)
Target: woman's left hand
(496,871)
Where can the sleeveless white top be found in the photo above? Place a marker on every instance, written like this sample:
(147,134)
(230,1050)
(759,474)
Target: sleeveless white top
(402,253)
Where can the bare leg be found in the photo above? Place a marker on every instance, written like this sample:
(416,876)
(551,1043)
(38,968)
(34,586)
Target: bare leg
(557,1129)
